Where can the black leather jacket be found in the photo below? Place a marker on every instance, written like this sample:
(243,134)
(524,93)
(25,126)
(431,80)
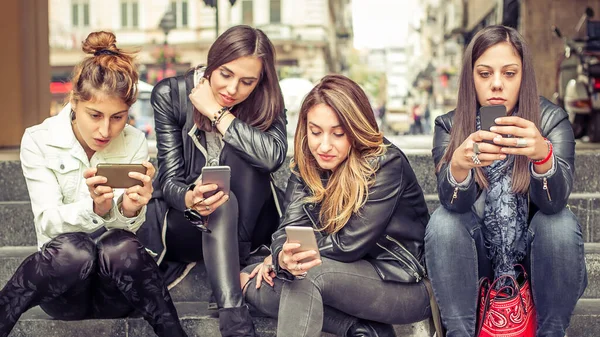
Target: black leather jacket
(252,155)
(548,195)
(389,231)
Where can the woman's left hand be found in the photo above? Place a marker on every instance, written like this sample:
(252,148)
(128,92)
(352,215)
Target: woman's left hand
(526,139)
(264,271)
(203,99)
(137,196)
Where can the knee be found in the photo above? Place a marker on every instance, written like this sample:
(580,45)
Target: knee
(558,230)
(445,227)
(70,253)
(119,249)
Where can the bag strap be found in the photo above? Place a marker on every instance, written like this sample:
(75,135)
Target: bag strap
(435,310)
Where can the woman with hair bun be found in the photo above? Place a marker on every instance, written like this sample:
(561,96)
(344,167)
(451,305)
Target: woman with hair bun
(90,263)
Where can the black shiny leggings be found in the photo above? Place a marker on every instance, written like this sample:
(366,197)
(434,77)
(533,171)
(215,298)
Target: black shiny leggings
(72,278)
(219,250)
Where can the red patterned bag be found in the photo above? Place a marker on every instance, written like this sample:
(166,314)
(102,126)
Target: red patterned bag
(508,311)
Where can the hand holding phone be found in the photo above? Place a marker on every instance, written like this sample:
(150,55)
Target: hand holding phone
(219,175)
(305,236)
(117,175)
(488,115)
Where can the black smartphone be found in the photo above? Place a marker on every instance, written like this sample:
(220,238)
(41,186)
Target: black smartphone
(219,175)
(118,174)
(305,236)
(487,116)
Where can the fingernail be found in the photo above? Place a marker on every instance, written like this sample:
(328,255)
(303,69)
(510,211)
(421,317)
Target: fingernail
(498,120)
(497,138)
(493,128)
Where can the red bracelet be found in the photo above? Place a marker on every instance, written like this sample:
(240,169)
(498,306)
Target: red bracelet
(543,161)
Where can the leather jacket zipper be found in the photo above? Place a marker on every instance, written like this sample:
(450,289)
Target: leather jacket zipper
(310,216)
(417,266)
(454,195)
(401,258)
(545,187)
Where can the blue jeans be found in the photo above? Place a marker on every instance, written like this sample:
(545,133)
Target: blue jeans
(456,259)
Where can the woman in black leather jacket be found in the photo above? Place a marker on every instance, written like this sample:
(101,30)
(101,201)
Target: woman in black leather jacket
(230,113)
(504,198)
(360,195)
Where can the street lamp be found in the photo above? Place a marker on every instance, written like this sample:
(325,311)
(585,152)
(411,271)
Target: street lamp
(167,23)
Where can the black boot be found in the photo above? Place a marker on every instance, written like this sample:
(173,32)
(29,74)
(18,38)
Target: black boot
(366,328)
(236,322)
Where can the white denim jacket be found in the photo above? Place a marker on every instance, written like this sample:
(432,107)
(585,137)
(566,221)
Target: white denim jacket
(53,162)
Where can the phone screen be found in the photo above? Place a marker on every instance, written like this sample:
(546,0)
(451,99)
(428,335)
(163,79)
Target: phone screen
(219,175)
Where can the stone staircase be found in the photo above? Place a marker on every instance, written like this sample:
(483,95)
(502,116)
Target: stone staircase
(17,240)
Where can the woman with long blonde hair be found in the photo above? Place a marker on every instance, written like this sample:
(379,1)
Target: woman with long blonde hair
(360,195)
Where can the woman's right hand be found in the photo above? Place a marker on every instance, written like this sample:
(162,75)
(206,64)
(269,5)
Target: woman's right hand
(205,206)
(288,260)
(102,195)
(463,156)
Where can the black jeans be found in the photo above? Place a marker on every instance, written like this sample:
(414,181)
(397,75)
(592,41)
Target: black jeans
(74,278)
(332,294)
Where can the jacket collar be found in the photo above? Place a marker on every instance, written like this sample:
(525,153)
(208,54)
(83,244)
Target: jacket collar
(62,136)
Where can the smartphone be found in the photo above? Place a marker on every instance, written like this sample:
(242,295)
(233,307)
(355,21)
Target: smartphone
(118,174)
(305,236)
(219,175)
(487,116)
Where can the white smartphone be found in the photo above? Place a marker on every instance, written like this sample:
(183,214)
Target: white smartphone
(219,175)
(305,236)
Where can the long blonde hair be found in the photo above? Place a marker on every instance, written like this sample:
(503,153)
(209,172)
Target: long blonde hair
(348,187)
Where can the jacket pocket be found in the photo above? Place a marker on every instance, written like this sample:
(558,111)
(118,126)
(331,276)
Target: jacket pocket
(68,175)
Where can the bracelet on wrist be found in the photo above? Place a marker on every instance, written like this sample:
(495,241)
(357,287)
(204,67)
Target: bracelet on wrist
(548,156)
(221,117)
(218,115)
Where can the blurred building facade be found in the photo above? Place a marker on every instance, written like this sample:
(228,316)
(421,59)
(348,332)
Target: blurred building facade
(448,26)
(312,37)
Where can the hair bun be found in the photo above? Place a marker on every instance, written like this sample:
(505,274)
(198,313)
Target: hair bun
(100,43)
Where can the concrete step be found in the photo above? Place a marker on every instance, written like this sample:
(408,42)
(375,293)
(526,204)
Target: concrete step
(17,219)
(195,286)
(199,322)
(587,178)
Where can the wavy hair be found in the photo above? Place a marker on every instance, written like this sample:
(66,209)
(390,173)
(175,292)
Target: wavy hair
(464,122)
(108,71)
(348,187)
(265,103)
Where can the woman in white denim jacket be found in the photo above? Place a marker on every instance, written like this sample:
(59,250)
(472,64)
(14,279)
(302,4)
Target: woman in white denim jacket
(90,263)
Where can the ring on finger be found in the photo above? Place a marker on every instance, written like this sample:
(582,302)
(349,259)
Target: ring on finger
(96,193)
(207,208)
(475,159)
(201,200)
(476,148)
(301,276)
(521,142)
(298,266)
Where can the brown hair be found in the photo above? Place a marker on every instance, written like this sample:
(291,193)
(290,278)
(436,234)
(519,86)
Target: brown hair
(109,71)
(348,187)
(265,103)
(464,122)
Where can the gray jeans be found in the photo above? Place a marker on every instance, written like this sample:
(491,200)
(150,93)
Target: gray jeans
(333,295)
